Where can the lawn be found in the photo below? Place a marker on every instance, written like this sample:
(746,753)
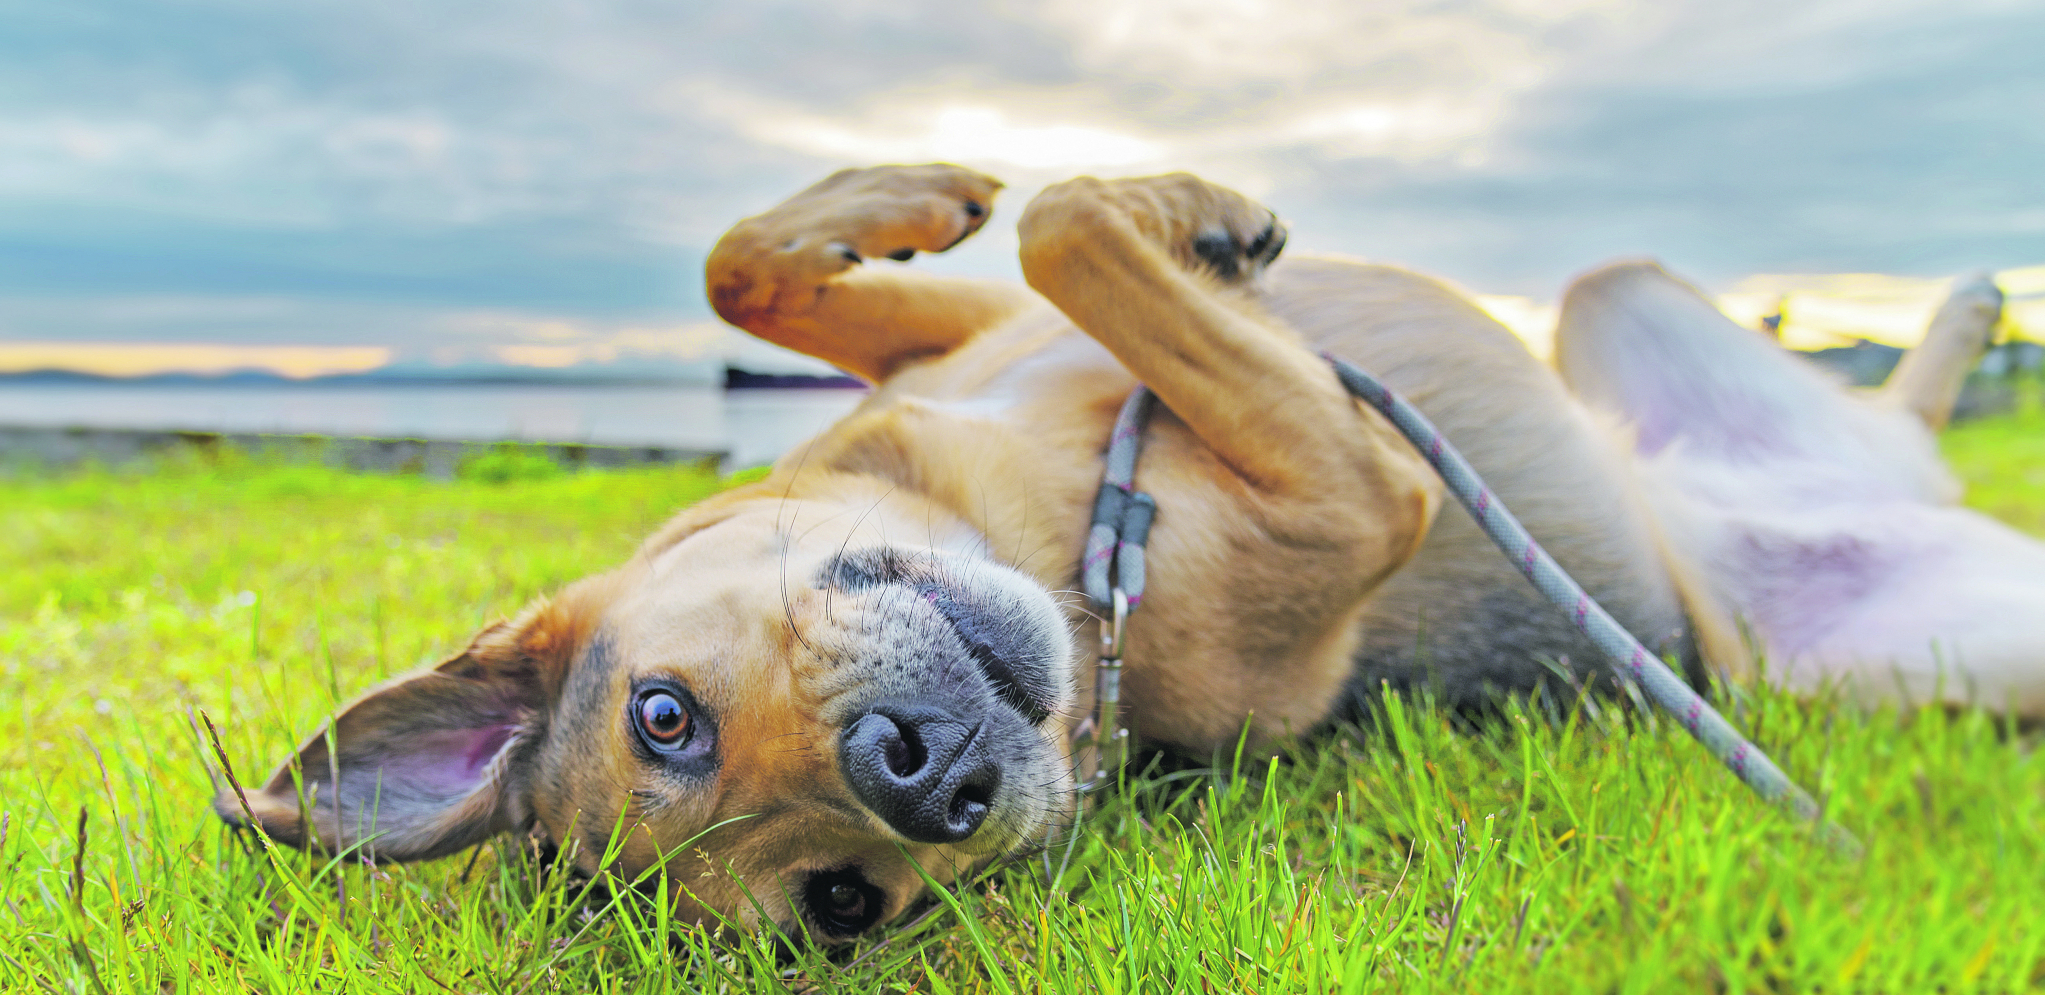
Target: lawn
(1601,852)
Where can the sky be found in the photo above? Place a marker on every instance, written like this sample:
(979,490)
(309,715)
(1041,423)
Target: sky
(338,185)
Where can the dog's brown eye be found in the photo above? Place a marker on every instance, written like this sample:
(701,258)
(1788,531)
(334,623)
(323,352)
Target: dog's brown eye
(663,718)
(847,902)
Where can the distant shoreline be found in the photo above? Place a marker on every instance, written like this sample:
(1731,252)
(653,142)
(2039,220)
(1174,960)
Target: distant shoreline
(47,448)
(731,378)
(53,415)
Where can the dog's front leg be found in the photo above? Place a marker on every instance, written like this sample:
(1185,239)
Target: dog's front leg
(1265,553)
(793,276)
(1152,268)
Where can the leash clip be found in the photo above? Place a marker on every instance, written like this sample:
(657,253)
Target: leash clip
(1112,628)
(1111,740)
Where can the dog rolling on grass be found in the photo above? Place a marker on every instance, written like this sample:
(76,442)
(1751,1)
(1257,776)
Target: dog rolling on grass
(807,695)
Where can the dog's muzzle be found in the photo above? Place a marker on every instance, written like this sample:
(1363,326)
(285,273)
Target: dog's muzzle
(949,740)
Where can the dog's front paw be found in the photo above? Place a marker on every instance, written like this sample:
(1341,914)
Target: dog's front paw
(891,211)
(1203,226)
(1232,252)
(774,262)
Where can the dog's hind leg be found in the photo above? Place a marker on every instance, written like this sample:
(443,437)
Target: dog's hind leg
(1638,342)
(1928,381)
(1823,521)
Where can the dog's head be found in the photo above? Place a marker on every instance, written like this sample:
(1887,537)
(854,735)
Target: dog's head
(779,704)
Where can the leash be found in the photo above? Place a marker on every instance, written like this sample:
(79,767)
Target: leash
(1113,573)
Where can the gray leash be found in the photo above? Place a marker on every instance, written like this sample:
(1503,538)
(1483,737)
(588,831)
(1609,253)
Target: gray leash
(1113,575)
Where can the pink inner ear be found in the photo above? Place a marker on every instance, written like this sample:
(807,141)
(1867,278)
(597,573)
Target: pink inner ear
(484,745)
(448,762)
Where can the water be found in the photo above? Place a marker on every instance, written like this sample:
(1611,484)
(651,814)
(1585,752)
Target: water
(751,426)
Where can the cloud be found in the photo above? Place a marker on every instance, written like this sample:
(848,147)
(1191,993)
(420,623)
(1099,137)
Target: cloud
(389,161)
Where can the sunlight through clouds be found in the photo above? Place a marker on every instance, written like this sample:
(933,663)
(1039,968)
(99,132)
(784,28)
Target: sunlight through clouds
(962,133)
(1224,42)
(998,130)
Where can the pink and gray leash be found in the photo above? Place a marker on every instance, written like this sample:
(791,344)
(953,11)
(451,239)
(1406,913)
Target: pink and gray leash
(1113,573)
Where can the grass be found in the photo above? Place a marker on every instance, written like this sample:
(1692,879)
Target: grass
(1599,853)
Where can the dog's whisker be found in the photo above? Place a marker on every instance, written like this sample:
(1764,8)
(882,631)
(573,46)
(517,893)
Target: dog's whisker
(1024,561)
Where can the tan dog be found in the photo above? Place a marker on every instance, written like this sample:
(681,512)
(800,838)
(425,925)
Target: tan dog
(874,652)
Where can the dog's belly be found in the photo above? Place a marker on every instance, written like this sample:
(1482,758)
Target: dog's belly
(1459,618)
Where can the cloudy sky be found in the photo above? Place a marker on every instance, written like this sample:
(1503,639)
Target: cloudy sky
(449,180)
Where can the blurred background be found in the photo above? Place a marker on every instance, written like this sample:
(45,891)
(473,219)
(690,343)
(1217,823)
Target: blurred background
(467,221)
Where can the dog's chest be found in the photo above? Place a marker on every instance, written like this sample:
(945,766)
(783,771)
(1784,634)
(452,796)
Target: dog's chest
(1007,433)
(1021,379)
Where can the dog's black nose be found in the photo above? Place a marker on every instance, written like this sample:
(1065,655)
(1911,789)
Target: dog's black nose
(922,769)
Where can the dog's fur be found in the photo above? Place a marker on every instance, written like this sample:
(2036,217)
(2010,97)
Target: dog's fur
(915,561)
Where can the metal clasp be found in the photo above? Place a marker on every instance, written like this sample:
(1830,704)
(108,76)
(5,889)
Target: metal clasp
(1111,740)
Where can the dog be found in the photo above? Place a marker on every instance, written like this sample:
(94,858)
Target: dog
(804,696)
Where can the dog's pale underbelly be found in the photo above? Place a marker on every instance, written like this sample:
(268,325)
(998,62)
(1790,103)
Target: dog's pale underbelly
(1861,585)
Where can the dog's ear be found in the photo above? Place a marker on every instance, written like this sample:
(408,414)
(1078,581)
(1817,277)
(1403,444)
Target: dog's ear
(430,762)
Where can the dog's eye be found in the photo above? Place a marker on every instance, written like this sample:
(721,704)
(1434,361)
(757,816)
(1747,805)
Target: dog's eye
(843,902)
(663,719)
(847,902)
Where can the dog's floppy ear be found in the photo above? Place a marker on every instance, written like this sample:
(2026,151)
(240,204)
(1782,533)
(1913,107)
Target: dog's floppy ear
(430,762)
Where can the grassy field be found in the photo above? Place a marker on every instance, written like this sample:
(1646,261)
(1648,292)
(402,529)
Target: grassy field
(1601,853)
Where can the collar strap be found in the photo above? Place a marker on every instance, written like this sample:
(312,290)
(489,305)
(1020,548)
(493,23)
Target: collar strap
(1113,576)
(1122,514)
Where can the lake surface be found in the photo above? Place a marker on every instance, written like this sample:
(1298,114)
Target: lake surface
(751,426)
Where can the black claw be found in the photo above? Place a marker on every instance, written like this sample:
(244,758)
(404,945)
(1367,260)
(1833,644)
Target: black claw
(1218,249)
(902,255)
(1256,249)
(1275,239)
